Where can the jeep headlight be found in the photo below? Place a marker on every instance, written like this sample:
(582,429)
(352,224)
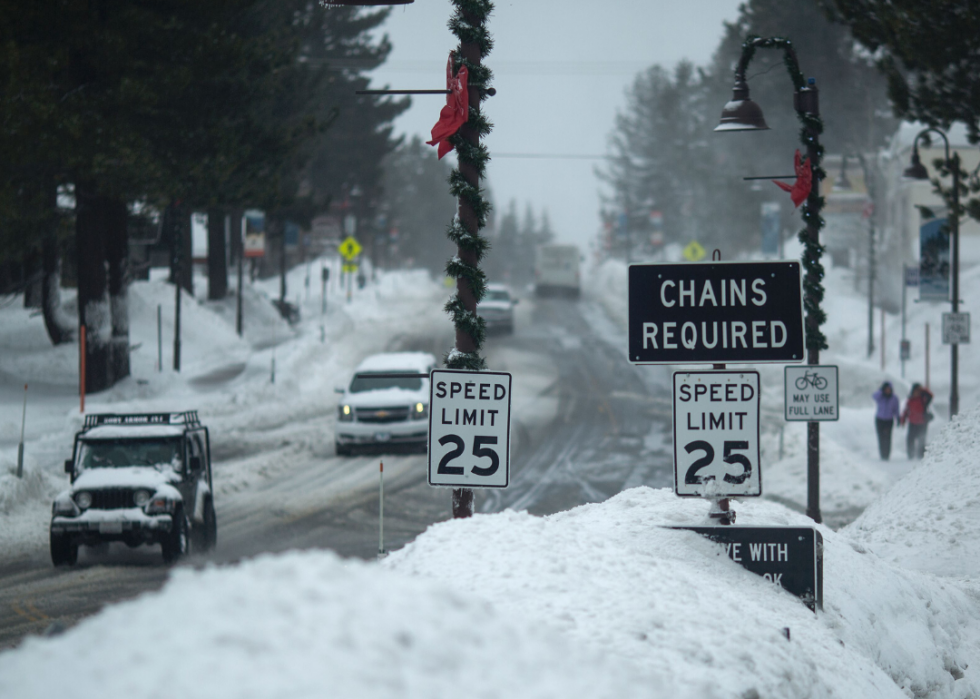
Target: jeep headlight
(141,497)
(345,413)
(159,505)
(83,500)
(420,411)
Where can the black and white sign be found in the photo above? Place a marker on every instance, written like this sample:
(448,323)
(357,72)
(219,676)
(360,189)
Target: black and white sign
(715,313)
(469,429)
(716,434)
(791,557)
(956,328)
(911,276)
(811,393)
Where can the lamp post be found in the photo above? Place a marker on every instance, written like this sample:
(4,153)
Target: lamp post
(742,114)
(917,171)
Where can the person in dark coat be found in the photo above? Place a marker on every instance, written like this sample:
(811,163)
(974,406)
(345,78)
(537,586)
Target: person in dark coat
(918,416)
(885,416)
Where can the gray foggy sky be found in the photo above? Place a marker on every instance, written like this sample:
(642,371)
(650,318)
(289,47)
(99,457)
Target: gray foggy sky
(561,70)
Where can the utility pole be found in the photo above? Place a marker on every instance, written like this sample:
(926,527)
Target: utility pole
(868,182)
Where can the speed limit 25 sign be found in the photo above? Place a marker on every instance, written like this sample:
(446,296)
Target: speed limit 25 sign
(716,434)
(469,429)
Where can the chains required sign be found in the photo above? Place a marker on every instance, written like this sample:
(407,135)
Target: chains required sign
(469,429)
(715,313)
(716,434)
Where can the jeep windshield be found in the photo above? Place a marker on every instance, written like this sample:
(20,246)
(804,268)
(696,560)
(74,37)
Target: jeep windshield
(118,453)
(368,381)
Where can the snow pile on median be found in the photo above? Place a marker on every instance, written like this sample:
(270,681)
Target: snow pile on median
(309,625)
(613,580)
(930,520)
(599,601)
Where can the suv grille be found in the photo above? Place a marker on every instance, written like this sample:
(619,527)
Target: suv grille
(112,499)
(381,415)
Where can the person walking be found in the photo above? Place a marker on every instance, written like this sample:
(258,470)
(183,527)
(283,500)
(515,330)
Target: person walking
(918,416)
(885,416)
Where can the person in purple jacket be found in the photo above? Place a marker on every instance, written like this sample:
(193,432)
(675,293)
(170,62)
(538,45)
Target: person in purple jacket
(886,415)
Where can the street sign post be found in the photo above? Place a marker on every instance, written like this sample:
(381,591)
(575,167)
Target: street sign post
(811,393)
(716,434)
(469,429)
(791,557)
(956,328)
(350,248)
(716,313)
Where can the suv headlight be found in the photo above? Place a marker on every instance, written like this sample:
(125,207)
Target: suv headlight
(420,411)
(160,505)
(345,413)
(141,497)
(83,500)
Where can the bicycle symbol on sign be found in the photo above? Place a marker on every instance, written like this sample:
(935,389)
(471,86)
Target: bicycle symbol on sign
(811,379)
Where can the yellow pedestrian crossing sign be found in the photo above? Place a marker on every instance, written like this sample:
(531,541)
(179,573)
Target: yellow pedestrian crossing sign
(349,268)
(350,248)
(694,251)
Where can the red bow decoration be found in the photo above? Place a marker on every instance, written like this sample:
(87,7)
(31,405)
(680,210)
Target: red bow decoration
(804,180)
(456,111)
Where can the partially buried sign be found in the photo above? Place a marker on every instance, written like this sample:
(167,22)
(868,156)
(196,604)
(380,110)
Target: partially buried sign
(811,393)
(469,429)
(715,313)
(790,557)
(716,434)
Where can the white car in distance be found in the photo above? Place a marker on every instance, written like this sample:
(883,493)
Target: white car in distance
(381,410)
(497,309)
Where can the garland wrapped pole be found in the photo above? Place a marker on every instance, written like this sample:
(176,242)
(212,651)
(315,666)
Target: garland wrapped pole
(468,23)
(806,103)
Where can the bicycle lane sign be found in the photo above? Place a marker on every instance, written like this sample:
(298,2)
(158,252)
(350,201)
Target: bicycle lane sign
(811,393)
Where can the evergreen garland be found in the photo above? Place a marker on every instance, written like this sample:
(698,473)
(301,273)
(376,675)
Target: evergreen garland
(468,23)
(811,128)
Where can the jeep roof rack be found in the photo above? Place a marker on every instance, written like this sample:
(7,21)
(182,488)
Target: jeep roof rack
(187,418)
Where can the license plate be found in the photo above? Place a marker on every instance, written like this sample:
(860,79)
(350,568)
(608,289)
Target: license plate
(382,436)
(110,527)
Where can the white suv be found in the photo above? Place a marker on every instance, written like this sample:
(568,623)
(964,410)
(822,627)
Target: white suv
(381,409)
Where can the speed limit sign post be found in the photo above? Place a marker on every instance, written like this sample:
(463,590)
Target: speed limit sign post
(469,429)
(716,434)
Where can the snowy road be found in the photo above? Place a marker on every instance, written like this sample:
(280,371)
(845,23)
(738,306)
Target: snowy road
(587,425)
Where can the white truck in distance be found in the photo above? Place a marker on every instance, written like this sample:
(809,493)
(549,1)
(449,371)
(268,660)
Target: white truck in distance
(556,271)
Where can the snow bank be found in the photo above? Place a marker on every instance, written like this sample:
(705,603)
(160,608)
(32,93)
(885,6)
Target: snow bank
(309,625)
(599,601)
(930,520)
(612,579)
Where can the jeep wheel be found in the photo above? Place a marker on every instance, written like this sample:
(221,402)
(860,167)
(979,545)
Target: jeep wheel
(64,552)
(205,535)
(342,450)
(177,541)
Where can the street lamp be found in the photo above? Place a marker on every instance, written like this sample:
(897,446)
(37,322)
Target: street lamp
(917,171)
(742,114)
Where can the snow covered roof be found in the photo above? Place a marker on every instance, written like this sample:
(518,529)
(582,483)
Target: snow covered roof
(396,361)
(133,432)
(902,140)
